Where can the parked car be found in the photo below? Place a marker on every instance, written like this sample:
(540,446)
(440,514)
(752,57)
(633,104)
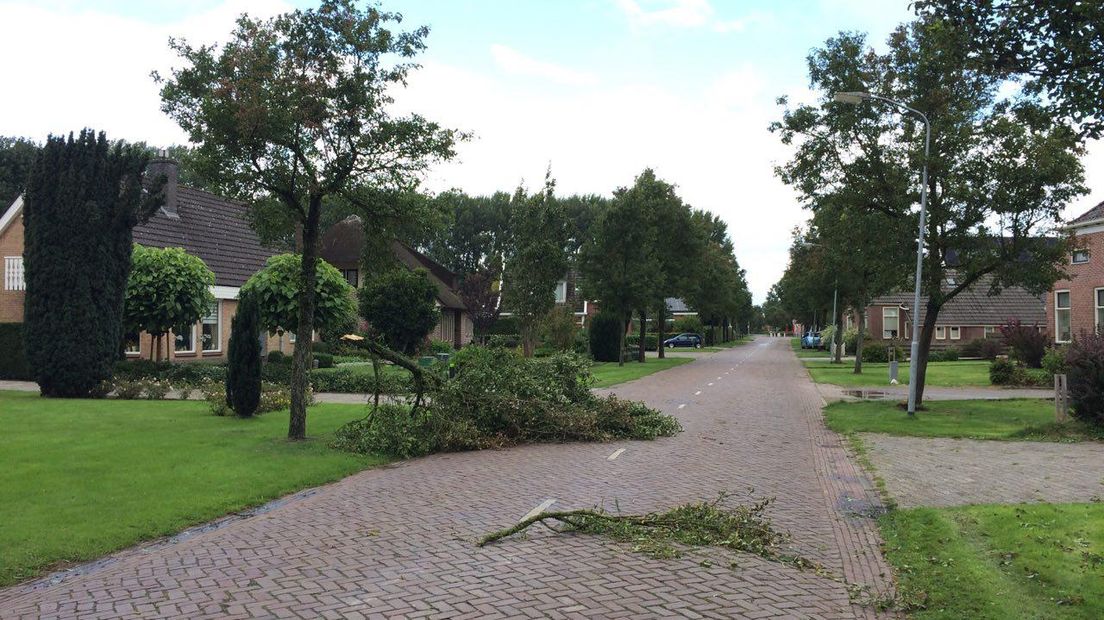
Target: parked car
(811,340)
(684,340)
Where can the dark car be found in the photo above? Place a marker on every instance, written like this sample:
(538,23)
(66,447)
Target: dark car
(684,340)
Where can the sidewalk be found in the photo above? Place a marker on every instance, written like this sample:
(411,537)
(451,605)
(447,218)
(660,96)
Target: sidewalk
(832,393)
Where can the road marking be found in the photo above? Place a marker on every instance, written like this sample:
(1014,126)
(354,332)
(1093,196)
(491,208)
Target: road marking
(708,385)
(698,393)
(718,378)
(539,509)
(682,406)
(616,454)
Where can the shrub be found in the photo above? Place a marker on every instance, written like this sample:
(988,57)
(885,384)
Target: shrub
(878,351)
(851,336)
(1028,344)
(353,380)
(504,326)
(687,324)
(278,357)
(558,329)
(13,361)
(179,374)
(983,348)
(324,360)
(214,393)
(276,397)
(950,354)
(1054,361)
(507,341)
(126,389)
(155,390)
(1003,372)
(243,376)
(651,342)
(605,337)
(440,346)
(402,306)
(1085,361)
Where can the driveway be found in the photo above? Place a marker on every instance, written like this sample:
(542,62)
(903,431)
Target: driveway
(398,541)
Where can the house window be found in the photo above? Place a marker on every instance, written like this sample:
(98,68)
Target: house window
(1062,330)
(990,331)
(561,292)
(13,274)
(132,344)
(211,336)
(940,333)
(352,276)
(908,331)
(890,323)
(956,333)
(1099,309)
(1080,257)
(185,340)
(291,337)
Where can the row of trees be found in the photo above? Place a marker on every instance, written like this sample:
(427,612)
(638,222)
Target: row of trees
(1000,170)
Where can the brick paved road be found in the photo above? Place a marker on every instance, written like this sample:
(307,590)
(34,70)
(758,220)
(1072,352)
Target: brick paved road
(397,542)
(948,472)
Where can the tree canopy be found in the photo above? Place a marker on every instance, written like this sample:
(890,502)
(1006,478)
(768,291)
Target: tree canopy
(401,305)
(168,290)
(276,291)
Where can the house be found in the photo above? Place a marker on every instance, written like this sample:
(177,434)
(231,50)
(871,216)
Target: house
(1075,305)
(205,225)
(970,315)
(342,244)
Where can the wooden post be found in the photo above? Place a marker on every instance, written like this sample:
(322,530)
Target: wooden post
(1061,398)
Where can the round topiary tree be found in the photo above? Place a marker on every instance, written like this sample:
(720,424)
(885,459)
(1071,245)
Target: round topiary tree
(605,337)
(402,306)
(243,375)
(167,289)
(275,290)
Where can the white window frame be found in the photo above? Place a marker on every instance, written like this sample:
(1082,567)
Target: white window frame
(988,330)
(218,328)
(1069,310)
(940,332)
(183,351)
(954,332)
(136,352)
(896,319)
(561,292)
(14,276)
(1099,307)
(1085,253)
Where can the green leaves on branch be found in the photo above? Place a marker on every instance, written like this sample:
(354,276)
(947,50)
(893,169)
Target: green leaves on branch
(276,289)
(168,290)
(402,306)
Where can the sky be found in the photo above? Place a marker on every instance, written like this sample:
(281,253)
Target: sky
(597,90)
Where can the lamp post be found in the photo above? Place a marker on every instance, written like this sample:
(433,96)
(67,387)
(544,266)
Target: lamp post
(855,98)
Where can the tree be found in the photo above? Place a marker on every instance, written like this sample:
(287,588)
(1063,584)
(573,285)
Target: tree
(719,290)
(276,290)
(402,306)
(243,373)
(294,110)
(1056,49)
(17,155)
(999,172)
(168,289)
(536,261)
(83,198)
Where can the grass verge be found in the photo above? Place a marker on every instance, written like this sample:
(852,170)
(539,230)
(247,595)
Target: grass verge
(609,373)
(1019,561)
(1025,419)
(84,478)
(970,373)
(795,344)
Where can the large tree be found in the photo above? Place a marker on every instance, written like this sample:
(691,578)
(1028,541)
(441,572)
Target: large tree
(999,172)
(295,111)
(167,290)
(16,157)
(83,198)
(719,291)
(1055,48)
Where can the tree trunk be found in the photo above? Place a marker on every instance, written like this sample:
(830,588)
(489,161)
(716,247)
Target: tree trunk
(621,340)
(926,333)
(643,335)
(528,332)
(301,360)
(838,339)
(859,341)
(661,316)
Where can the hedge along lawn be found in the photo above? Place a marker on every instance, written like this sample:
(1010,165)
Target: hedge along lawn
(971,373)
(1019,561)
(609,373)
(83,478)
(977,419)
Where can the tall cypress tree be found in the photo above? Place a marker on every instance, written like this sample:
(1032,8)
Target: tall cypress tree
(243,375)
(84,196)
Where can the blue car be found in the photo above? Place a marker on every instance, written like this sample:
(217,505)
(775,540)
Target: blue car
(811,340)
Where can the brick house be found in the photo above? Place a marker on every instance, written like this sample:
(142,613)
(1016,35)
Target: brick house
(971,315)
(1075,305)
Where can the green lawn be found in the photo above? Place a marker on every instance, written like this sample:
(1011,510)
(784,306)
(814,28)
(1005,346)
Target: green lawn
(972,373)
(1021,561)
(795,344)
(609,373)
(976,419)
(83,478)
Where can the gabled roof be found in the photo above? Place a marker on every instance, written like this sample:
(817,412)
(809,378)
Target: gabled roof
(674,304)
(974,306)
(1092,215)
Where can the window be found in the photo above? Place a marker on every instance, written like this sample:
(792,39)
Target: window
(291,337)
(940,333)
(1099,308)
(1080,257)
(185,340)
(561,292)
(956,333)
(352,276)
(951,281)
(211,336)
(13,274)
(990,331)
(890,323)
(908,331)
(132,344)
(1062,330)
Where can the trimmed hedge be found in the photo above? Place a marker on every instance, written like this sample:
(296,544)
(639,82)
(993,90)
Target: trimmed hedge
(651,341)
(13,360)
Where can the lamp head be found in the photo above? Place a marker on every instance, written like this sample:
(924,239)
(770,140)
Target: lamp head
(852,97)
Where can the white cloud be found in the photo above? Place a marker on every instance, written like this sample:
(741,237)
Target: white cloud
(680,14)
(515,63)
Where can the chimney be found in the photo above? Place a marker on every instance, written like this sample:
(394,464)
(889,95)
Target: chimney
(163,166)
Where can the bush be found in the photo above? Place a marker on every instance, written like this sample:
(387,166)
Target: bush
(605,337)
(126,389)
(851,336)
(353,380)
(504,326)
(687,325)
(651,342)
(1002,372)
(1085,361)
(878,351)
(278,357)
(324,360)
(983,348)
(402,306)
(1054,361)
(214,393)
(950,354)
(1009,373)
(507,341)
(440,346)
(1027,344)
(558,329)
(243,376)
(180,374)
(13,361)
(278,398)
(155,390)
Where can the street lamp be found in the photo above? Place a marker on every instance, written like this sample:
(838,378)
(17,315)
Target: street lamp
(855,98)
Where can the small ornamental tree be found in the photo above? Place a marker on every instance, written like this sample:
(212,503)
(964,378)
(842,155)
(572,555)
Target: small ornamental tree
(1028,343)
(83,198)
(402,306)
(243,374)
(168,289)
(276,289)
(1085,362)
